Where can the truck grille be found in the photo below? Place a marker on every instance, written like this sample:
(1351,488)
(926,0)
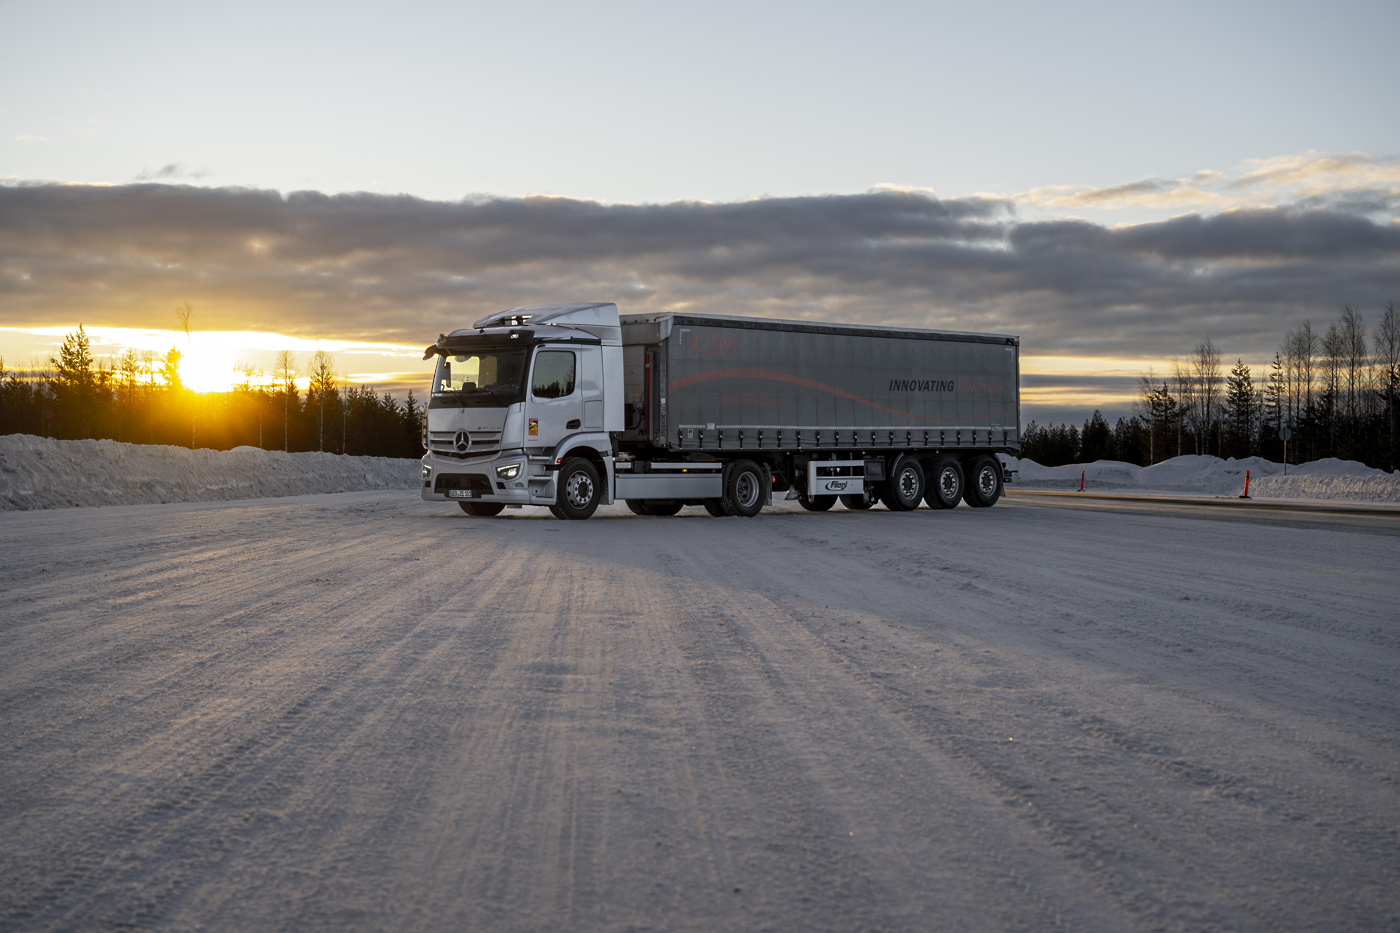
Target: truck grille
(464,444)
(473,481)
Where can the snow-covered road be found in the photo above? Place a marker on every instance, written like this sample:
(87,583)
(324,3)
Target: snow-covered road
(365,712)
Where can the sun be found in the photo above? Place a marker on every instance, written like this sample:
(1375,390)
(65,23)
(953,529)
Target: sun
(209,369)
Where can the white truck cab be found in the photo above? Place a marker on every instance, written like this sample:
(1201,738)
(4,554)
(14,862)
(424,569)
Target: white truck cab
(522,411)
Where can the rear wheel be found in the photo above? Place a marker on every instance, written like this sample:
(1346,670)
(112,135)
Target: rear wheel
(663,508)
(855,501)
(815,503)
(945,486)
(578,491)
(743,490)
(716,508)
(482,509)
(638,506)
(984,485)
(905,487)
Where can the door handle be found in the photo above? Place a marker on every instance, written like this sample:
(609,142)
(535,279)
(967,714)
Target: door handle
(573,424)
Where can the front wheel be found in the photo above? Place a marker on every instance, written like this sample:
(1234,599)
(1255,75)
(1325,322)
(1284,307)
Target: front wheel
(578,491)
(984,486)
(482,509)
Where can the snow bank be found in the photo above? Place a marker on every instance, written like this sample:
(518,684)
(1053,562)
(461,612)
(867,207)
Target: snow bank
(41,473)
(1210,476)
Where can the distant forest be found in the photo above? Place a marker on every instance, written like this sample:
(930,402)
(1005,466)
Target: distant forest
(1336,392)
(139,399)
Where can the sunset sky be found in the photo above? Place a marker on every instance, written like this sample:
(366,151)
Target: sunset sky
(1112,182)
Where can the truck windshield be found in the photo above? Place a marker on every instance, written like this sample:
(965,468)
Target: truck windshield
(482,378)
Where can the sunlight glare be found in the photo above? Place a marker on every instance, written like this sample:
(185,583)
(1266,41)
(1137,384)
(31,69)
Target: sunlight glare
(206,368)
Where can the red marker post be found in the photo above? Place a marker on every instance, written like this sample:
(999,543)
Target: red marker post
(1245,494)
(1081,480)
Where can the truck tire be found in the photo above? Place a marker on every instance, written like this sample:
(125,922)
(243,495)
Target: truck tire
(482,509)
(662,508)
(577,490)
(905,487)
(984,485)
(855,501)
(743,489)
(717,508)
(638,506)
(815,503)
(945,484)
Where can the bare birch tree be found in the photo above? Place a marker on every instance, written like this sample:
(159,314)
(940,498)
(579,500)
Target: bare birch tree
(1205,373)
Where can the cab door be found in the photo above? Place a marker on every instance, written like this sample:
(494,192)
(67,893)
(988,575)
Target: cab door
(554,409)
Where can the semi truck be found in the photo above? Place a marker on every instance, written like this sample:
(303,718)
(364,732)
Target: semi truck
(574,406)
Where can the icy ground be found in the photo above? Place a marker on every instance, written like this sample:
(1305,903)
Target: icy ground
(42,473)
(366,712)
(1211,476)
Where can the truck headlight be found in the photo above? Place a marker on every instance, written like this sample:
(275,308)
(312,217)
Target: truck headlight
(508,472)
(427,471)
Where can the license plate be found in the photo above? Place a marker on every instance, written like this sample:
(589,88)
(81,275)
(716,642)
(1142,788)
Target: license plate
(460,494)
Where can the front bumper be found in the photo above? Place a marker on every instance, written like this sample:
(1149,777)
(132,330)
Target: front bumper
(447,479)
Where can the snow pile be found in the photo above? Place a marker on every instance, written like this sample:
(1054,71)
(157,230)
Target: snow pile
(41,473)
(1210,476)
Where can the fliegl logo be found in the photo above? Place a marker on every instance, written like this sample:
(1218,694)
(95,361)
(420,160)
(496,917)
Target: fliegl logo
(834,485)
(714,344)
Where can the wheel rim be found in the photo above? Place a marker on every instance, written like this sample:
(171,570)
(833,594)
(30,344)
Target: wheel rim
(746,489)
(909,485)
(579,490)
(987,482)
(948,483)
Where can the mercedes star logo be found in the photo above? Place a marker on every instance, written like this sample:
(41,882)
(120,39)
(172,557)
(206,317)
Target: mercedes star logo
(462,441)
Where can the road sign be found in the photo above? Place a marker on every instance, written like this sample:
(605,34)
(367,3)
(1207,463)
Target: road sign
(1285,434)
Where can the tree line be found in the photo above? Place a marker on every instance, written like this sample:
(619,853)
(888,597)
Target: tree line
(139,398)
(1328,393)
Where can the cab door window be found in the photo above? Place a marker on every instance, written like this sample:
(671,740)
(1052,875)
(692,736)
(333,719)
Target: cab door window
(554,374)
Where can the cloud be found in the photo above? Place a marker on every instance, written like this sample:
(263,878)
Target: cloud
(401,269)
(1312,177)
(172,170)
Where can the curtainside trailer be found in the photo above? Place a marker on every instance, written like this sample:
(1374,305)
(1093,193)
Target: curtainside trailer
(574,406)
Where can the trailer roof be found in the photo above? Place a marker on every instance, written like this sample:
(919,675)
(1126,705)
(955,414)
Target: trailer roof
(817,327)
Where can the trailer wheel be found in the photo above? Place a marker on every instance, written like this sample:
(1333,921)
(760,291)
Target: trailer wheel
(855,501)
(985,488)
(946,484)
(638,506)
(482,509)
(717,508)
(905,487)
(578,490)
(815,503)
(663,508)
(743,490)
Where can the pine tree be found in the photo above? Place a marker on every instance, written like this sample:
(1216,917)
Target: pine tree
(74,383)
(1096,441)
(1241,412)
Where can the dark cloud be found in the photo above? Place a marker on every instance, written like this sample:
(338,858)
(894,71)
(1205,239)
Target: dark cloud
(397,268)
